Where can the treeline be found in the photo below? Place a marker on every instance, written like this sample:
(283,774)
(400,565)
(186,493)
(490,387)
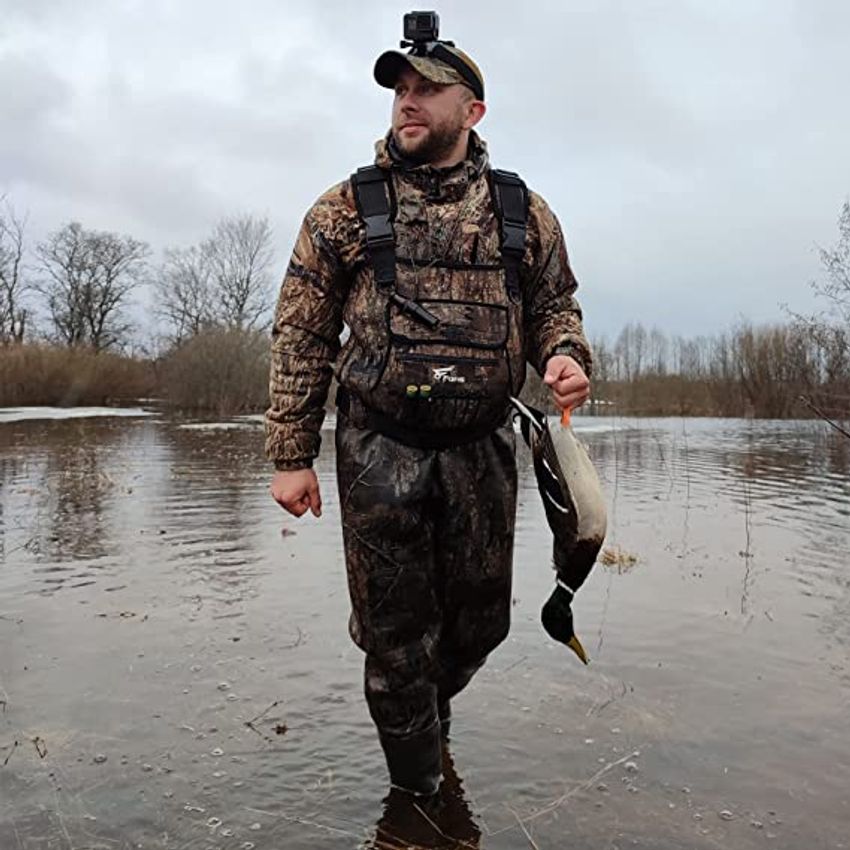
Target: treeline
(772,371)
(797,369)
(781,371)
(65,335)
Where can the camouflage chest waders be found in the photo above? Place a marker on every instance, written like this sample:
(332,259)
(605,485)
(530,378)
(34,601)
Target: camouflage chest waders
(444,311)
(427,478)
(428,539)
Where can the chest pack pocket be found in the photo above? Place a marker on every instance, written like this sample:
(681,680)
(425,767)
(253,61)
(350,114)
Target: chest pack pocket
(447,373)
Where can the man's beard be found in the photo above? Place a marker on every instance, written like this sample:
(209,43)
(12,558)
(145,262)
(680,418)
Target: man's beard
(436,145)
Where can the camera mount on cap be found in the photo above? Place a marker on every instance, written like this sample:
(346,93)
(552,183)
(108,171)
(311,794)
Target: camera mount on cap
(421,35)
(421,29)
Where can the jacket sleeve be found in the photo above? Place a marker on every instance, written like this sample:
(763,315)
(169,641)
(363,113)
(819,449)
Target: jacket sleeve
(305,335)
(552,315)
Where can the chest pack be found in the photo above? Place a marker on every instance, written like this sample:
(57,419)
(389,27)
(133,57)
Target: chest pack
(375,200)
(454,352)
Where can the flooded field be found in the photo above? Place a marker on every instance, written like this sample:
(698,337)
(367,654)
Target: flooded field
(175,669)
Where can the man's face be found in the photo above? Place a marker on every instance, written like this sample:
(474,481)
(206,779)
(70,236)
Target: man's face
(428,118)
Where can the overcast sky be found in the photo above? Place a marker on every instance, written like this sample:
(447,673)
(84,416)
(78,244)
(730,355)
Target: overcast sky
(695,152)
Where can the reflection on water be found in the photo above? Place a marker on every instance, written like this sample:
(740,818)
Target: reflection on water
(444,821)
(208,513)
(179,647)
(58,514)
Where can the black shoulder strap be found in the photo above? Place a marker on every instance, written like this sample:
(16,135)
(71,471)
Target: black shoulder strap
(374,198)
(510,201)
(375,202)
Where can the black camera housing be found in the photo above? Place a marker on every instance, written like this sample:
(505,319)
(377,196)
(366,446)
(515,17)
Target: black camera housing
(421,27)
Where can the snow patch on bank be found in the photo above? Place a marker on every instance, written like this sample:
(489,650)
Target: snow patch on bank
(216,426)
(251,420)
(21,414)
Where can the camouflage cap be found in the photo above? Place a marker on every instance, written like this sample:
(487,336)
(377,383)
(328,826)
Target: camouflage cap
(391,63)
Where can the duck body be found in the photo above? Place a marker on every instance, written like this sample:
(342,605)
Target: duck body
(575,510)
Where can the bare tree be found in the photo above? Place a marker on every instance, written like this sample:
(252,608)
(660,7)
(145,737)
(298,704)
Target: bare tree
(602,360)
(13,282)
(224,281)
(836,264)
(658,352)
(829,329)
(239,254)
(89,275)
(184,292)
(623,359)
(638,348)
(691,357)
(630,351)
(774,365)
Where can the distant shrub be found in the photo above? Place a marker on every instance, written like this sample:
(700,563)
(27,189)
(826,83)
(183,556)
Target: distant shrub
(218,370)
(35,374)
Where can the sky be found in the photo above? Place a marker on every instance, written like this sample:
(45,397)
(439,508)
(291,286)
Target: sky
(696,151)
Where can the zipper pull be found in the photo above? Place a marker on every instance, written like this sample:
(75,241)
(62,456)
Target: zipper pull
(416,311)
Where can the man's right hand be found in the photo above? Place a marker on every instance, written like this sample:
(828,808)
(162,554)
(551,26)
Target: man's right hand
(297,490)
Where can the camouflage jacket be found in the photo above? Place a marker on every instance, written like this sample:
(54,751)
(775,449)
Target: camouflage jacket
(441,215)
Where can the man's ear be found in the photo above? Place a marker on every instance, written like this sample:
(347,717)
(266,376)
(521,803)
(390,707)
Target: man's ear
(475,111)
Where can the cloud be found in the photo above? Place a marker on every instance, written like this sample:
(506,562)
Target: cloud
(694,151)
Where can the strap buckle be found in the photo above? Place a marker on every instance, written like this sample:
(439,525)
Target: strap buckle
(379,232)
(513,237)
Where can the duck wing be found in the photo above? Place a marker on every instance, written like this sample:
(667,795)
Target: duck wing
(571,493)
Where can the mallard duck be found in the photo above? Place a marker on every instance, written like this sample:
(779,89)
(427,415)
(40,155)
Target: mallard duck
(575,510)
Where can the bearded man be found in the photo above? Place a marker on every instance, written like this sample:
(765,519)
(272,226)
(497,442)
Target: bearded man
(451,276)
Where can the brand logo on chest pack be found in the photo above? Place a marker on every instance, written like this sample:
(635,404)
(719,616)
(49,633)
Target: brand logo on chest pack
(446,375)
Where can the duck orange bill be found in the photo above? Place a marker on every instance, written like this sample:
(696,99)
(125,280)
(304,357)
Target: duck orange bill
(565,417)
(575,645)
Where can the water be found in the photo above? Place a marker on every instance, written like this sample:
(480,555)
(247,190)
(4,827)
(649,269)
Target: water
(154,602)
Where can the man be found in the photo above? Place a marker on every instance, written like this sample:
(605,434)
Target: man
(445,304)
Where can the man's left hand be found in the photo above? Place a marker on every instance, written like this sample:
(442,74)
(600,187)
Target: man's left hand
(570,386)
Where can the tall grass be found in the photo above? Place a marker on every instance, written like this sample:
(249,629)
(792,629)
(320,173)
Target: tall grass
(35,374)
(759,372)
(218,370)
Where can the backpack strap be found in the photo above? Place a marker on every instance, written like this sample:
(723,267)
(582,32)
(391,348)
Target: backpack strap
(375,202)
(510,201)
(373,195)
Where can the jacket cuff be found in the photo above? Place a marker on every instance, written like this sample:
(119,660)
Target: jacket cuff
(569,349)
(293,465)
